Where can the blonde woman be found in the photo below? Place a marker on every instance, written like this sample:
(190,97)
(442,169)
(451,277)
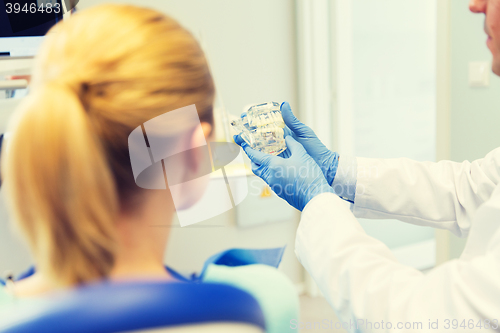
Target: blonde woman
(67,170)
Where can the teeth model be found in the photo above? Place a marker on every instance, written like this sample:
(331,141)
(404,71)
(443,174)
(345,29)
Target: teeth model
(262,128)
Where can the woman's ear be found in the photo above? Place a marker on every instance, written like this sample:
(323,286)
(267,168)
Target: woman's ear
(207,131)
(195,167)
(200,137)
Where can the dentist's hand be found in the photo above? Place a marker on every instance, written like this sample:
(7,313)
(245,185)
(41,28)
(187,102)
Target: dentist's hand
(327,160)
(297,179)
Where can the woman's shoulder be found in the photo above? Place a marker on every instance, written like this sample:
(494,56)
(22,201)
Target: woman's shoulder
(276,294)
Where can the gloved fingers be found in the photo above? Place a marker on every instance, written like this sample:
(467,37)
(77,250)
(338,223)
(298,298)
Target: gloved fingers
(295,147)
(285,154)
(258,170)
(287,131)
(255,167)
(293,123)
(256,156)
(238,140)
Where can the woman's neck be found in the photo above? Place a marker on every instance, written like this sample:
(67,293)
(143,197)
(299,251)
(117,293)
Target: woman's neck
(142,238)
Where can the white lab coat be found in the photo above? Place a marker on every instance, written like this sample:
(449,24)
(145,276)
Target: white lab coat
(362,279)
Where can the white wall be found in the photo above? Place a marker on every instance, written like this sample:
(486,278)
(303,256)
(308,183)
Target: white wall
(251,46)
(392,110)
(475,112)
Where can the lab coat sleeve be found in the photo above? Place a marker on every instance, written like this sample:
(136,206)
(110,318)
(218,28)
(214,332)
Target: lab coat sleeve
(442,195)
(344,183)
(363,281)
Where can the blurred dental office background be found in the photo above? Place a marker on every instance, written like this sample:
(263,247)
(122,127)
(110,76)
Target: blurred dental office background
(374,78)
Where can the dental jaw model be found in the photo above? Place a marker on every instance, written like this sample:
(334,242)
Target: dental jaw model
(262,128)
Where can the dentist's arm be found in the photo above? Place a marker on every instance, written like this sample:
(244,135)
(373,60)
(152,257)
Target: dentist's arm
(442,195)
(360,276)
(365,284)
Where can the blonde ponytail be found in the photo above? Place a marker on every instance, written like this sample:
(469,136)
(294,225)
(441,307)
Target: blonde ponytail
(57,173)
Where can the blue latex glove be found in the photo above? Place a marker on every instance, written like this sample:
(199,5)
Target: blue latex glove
(297,179)
(327,160)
